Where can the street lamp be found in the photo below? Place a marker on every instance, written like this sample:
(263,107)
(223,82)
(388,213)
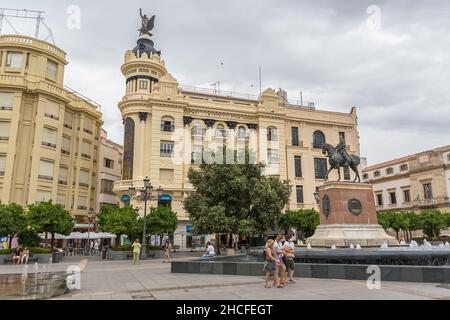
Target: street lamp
(316,196)
(145,194)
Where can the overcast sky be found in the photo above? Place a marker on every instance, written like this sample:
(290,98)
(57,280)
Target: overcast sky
(396,72)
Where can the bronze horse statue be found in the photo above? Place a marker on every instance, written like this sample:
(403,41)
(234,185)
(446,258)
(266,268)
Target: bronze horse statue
(336,161)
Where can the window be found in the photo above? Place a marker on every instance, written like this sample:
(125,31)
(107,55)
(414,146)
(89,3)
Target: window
(320,168)
(299,193)
(106,186)
(427,191)
(63,172)
(61,200)
(2,164)
(52,69)
(404,167)
(406,196)
(6,100)
(167,124)
(196,129)
(52,110)
(87,125)
(49,137)
(65,145)
(294,132)
(197,154)
(318,139)
(82,203)
(84,178)
(298,166)
(241,133)
(376,173)
(86,149)
(346,173)
(220,130)
(14,59)
(166,175)
(166,149)
(272,156)
(379,199)
(4,130)
(108,163)
(365,176)
(42,196)
(143,84)
(393,197)
(272,134)
(68,120)
(128,149)
(390,170)
(46,169)
(342,135)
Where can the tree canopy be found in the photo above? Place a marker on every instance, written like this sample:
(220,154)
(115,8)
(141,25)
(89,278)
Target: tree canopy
(13,220)
(432,221)
(117,220)
(48,217)
(235,198)
(304,221)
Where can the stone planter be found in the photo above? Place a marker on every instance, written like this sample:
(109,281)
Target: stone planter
(5,257)
(155,254)
(42,257)
(119,255)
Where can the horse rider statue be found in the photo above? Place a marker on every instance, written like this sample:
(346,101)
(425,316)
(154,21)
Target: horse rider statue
(341,147)
(339,157)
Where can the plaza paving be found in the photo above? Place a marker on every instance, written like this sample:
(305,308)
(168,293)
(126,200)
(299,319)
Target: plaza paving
(152,279)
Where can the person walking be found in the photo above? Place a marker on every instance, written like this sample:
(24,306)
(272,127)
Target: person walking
(270,265)
(289,251)
(96,251)
(167,248)
(136,251)
(279,255)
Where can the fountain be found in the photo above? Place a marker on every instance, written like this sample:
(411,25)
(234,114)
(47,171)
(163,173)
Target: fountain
(333,247)
(352,246)
(358,247)
(384,246)
(308,246)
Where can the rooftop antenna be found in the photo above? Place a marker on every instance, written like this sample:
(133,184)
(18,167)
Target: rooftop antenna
(7,13)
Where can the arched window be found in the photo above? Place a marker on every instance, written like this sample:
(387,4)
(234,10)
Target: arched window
(241,132)
(272,134)
(318,139)
(128,149)
(167,124)
(220,130)
(196,129)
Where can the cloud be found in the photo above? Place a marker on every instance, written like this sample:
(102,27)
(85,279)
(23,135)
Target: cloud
(397,76)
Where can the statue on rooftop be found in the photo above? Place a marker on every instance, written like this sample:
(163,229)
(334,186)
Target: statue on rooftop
(147,24)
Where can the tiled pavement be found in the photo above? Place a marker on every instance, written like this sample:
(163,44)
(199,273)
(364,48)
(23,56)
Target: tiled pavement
(152,279)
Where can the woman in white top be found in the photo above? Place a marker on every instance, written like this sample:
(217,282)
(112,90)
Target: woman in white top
(209,250)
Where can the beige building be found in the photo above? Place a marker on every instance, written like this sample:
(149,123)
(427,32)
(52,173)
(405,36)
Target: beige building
(169,126)
(414,182)
(110,170)
(49,134)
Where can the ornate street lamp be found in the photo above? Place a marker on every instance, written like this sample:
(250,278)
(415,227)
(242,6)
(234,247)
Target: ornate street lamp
(145,194)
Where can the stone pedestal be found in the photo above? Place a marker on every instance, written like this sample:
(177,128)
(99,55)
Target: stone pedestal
(348,216)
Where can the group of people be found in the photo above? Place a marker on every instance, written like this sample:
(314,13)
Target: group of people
(279,260)
(21,256)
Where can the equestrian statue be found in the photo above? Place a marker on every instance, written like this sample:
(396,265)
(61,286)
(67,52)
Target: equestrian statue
(338,157)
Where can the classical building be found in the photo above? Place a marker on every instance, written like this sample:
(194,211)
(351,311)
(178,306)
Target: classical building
(49,134)
(110,170)
(414,182)
(168,127)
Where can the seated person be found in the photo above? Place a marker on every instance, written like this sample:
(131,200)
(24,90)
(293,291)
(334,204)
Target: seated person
(25,255)
(209,250)
(16,256)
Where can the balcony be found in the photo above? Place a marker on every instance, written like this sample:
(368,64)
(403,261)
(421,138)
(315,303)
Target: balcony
(62,182)
(82,207)
(84,155)
(431,202)
(68,126)
(167,127)
(44,177)
(87,131)
(66,152)
(48,144)
(6,107)
(82,184)
(51,116)
(3,138)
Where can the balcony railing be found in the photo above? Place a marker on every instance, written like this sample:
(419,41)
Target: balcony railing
(48,144)
(6,107)
(51,116)
(3,138)
(82,207)
(41,176)
(82,184)
(87,131)
(84,155)
(68,126)
(431,202)
(65,152)
(62,182)
(167,127)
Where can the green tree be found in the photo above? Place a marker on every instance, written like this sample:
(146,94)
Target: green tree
(446,219)
(161,220)
(399,221)
(432,221)
(12,220)
(413,223)
(235,198)
(29,238)
(117,220)
(384,219)
(305,221)
(50,218)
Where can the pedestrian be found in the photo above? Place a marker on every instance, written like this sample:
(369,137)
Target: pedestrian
(289,251)
(209,250)
(270,265)
(25,255)
(96,251)
(17,255)
(167,248)
(136,251)
(279,255)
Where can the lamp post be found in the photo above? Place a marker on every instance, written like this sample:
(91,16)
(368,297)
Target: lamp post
(145,194)
(90,217)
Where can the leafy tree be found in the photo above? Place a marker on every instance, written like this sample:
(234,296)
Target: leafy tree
(304,221)
(12,220)
(161,220)
(384,219)
(117,220)
(447,219)
(235,198)
(399,221)
(432,221)
(413,223)
(51,218)
(29,238)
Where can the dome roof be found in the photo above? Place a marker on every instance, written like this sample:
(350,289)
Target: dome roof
(144,44)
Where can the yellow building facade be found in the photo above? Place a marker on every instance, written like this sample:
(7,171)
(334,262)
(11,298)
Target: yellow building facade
(168,127)
(49,134)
